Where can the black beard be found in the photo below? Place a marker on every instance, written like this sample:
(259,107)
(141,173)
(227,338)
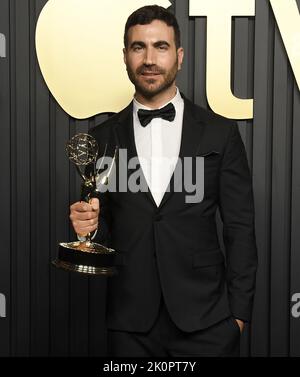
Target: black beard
(145,92)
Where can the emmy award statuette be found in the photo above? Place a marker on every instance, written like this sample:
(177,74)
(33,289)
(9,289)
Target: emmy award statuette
(86,257)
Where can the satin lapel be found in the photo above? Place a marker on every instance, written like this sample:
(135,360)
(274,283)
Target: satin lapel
(125,137)
(124,132)
(191,138)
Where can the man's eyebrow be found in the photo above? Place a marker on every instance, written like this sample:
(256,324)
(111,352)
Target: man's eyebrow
(155,44)
(161,43)
(137,43)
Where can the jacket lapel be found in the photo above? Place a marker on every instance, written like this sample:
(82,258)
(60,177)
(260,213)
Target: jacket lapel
(123,130)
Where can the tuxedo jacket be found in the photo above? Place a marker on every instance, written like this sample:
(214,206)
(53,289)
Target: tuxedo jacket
(174,249)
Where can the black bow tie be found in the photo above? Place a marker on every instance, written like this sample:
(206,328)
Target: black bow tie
(168,113)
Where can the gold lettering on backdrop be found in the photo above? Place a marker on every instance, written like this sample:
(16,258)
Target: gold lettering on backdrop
(218,75)
(219,16)
(288,20)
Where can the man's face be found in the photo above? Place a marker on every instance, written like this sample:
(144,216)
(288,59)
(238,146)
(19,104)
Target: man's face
(151,57)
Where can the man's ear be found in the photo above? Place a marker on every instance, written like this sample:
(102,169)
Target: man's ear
(180,55)
(124,55)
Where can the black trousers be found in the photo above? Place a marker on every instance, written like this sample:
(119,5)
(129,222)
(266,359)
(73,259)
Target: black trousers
(165,339)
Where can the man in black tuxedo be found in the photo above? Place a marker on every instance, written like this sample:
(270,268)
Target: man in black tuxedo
(176,293)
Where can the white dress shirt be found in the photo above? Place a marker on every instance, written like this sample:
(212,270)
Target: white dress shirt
(158,146)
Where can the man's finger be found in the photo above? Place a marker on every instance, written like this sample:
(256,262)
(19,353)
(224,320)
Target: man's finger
(94,202)
(87,215)
(86,230)
(81,207)
(85,224)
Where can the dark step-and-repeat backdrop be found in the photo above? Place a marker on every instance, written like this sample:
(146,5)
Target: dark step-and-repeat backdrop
(242,60)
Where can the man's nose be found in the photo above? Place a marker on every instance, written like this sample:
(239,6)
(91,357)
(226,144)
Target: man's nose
(149,57)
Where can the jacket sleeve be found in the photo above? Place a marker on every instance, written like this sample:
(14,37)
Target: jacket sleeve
(237,212)
(103,233)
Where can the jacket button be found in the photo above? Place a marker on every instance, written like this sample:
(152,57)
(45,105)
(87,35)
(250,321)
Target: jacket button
(158,217)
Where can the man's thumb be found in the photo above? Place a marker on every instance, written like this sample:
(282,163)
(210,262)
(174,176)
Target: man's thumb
(95,204)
